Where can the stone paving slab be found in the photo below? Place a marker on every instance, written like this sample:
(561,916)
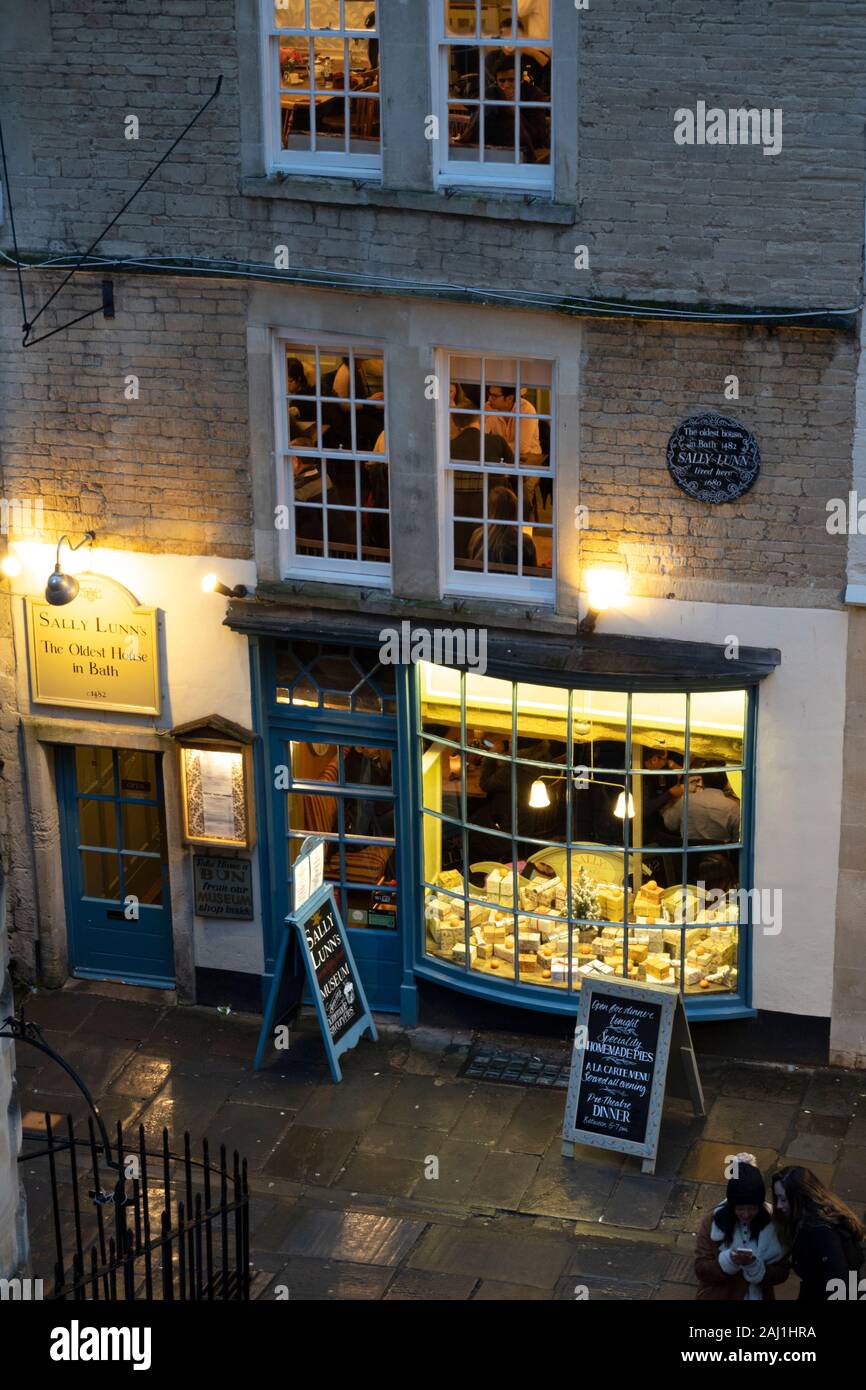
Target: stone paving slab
(489,1254)
(352,1237)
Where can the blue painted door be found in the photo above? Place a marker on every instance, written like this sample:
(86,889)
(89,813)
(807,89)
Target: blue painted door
(343,788)
(115,864)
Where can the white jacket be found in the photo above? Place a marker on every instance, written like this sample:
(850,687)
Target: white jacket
(766,1248)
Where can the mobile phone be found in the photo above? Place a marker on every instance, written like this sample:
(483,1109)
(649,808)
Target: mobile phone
(743,1250)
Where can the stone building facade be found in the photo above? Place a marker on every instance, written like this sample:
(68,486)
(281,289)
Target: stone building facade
(651,273)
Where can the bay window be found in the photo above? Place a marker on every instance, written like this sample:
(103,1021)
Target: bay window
(570,833)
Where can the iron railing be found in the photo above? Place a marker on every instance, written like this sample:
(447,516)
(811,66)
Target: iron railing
(182,1234)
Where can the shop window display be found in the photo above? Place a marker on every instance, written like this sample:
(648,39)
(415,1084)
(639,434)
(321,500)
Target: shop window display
(575,833)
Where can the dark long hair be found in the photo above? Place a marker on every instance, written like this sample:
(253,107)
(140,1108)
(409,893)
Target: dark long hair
(726,1219)
(812,1204)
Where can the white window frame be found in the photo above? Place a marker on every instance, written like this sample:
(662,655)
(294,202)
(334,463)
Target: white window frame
(292,565)
(451,173)
(520,588)
(313,162)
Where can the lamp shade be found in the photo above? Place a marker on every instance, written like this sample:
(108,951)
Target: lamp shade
(61,588)
(539,796)
(619,809)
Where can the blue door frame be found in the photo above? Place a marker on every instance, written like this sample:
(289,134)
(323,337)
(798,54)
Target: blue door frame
(105,942)
(383,956)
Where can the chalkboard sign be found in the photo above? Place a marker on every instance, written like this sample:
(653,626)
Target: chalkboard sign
(713,458)
(625,1036)
(338,994)
(333,970)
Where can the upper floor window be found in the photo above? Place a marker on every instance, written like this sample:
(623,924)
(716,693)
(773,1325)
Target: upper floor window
(333,472)
(322,85)
(491,84)
(500,476)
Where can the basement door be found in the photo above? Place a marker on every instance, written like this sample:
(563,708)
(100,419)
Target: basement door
(115,865)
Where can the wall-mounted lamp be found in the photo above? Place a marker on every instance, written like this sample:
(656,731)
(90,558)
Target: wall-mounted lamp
(211,585)
(605,588)
(63,588)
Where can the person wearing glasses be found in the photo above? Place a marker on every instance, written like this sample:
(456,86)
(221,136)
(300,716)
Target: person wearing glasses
(504,398)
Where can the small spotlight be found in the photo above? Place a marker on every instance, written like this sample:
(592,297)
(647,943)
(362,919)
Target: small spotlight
(211,585)
(63,588)
(605,588)
(11,566)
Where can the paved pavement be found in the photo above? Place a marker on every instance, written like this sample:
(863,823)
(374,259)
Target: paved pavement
(409,1182)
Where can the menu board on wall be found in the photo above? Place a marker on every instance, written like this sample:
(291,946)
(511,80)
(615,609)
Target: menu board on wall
(624,1038)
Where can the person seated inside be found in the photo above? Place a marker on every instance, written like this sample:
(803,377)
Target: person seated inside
(466,444)
(502,540)
(302,403)
(714,809)
(504,398)
(533,122)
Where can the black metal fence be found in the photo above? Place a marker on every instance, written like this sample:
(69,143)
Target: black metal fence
(122,1230)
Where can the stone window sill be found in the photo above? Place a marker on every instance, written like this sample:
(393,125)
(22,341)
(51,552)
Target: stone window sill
(511,207)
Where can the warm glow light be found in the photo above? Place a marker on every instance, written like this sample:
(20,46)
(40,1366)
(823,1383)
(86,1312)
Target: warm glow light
(209,583)
(619,809)
(605,588)
(11,566)
(538,795)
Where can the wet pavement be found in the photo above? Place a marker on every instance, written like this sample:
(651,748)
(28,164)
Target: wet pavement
(408,1181)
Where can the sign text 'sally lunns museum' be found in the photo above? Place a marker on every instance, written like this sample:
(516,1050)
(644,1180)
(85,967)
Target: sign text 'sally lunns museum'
(431,338)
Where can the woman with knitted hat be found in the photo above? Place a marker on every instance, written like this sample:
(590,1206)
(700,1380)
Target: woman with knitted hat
(739,1254)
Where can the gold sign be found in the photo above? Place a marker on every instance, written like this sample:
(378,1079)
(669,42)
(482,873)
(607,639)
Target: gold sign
(101,649)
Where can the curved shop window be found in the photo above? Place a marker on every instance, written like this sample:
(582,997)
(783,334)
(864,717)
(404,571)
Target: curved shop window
(569,833)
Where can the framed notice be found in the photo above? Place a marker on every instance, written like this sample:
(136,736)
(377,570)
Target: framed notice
(101,651)
(625,1038)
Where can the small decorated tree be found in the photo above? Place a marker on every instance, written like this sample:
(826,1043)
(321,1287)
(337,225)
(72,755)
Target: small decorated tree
(584,901)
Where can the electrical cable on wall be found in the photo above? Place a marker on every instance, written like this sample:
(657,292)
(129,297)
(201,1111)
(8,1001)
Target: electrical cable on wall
(262,271)
(107,306)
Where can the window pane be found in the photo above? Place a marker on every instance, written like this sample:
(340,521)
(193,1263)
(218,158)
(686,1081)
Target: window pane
(367,767)
(330,115)
(364,129)
(289,14)
(94,771)
(137,773)
(717,720)
(295,122)
(100,875)
(97,823)
(461,17)
(309,530)
(143,879)
(463,73)
(464,131)
(141,828)
(324,14)
(328,64)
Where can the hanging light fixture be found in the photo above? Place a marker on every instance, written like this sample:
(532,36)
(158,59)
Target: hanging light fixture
(63,588)
(619,809)
(539,797)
